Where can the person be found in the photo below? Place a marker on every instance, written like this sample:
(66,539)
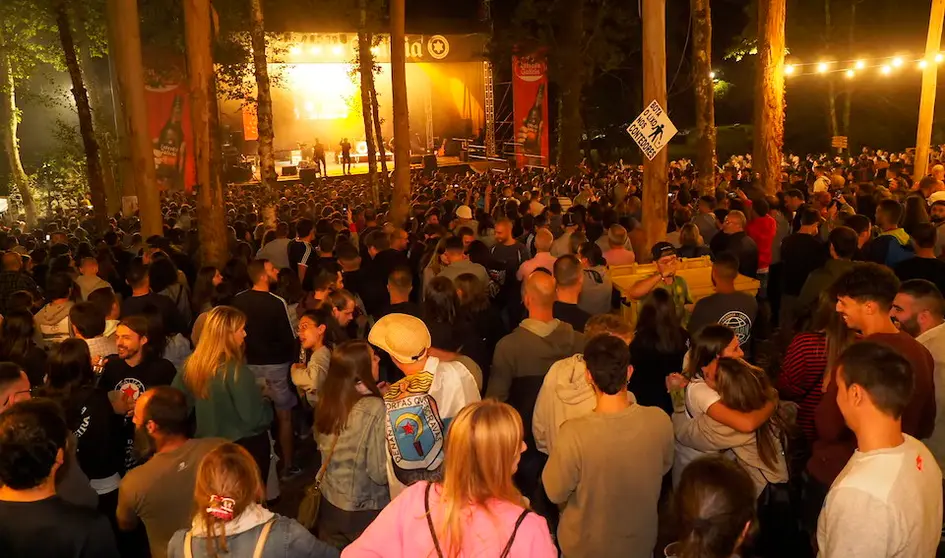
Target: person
(925,264)
(543,258)
(34,521)
(88,324)
(734,239)
(106,302)
(801,254)
(667,264)
(88,279)
(13,279)
(597,292)
(52,321)
(937,218)
(345,156)
(507,250)
(166,280)
(485,318)
(458,262)
(475,510)
(431,394)
(18,345)
(893,245)
(318,151)
(451,328)
(70,382)
(135,368)
(601,460)
(714,508)
(705,219)
(349,428)
(842,246)
(691,243)
(270,350)
(277,249)
(891,478)
(565,392)
(919,310)
(224,393)
(617,252)
(761,228)
(309,376)
(228,517)
(571,223)
(569,281)
(301,254)
(159,492)
(382,260)
(657,350)
(726,306)
(142,298)
(399,287)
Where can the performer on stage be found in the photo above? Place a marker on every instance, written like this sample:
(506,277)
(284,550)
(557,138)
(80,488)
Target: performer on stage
(345,156)
(319,156)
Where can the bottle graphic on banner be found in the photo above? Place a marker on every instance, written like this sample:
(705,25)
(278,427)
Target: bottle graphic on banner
(169,149)
(530,134)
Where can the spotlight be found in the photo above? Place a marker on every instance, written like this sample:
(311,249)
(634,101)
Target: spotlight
(850,73)
(336,50)
(922,64)
(938,58)
(860,64)
(897,61)
(295,49)
(316,50)
(886,70)
(375,50)
(789,69)
(822,67)
(711,75)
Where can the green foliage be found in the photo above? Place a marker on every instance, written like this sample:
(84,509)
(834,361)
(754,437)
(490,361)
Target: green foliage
(61,179)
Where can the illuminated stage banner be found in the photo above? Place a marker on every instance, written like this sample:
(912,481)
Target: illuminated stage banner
(172,137)
(530,97)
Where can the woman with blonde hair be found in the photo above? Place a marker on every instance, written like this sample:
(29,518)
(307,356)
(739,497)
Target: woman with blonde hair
(476,509)
(691,244)
(227,399)
(229,519)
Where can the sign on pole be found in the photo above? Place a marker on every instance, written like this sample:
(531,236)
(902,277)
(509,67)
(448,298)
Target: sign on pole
(839,142)
(652,130)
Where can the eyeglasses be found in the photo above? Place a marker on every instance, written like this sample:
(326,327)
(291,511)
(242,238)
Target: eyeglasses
(16,397)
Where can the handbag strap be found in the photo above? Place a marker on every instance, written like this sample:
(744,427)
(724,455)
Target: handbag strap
(188,541)
(263,536)
(508,545)
(426,508)
(324,469)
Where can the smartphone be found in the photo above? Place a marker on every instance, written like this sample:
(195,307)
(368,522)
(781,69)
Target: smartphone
(48,238)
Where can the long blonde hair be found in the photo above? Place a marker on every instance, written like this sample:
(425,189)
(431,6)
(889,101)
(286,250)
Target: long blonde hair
(217,348)
(229,471)
(482,447)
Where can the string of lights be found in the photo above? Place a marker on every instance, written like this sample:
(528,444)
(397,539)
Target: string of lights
(851,68)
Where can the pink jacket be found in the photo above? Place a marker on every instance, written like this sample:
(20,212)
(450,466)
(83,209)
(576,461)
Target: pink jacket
(401,530)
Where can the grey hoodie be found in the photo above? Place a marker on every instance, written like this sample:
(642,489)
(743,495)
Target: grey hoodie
(53,325)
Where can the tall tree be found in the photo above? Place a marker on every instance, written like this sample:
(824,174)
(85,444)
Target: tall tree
(366,70)
(267,160)
(398,71)
(831,84)
(769,95)
(9,122)
(379,134)
(212,228)
(93,164)
(656,171)
(124,34)
(705,95)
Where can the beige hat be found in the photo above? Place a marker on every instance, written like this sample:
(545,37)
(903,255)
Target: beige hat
(937,197)
(463,212)
(404,337)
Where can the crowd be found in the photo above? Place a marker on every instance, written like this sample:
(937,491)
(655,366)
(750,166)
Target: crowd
(474,379)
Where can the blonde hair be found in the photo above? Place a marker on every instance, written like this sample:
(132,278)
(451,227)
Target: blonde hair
(689,235)
(229,471)
(482,446)
(217,348)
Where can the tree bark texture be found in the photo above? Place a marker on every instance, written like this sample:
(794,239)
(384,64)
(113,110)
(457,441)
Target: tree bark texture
(210,216)
(124,28)
(9,123)
(769,95)
(571,81)
(366,68)
(927,98)
(379,134)
(267,160)
(400,200)
(93,163)
(655,172)
(705,95)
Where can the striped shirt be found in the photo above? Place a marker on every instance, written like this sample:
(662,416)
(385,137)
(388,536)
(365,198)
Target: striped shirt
(801,379)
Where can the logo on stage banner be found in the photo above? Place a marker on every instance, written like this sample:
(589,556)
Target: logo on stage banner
(652,130)
(530,98)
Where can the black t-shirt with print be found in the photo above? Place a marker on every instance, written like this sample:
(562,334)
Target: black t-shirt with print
(735,310)
(301,252)
(54,528)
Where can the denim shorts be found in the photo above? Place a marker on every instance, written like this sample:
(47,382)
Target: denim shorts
(277,378)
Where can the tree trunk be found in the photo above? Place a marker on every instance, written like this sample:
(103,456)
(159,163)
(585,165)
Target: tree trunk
(11,145)
(831,86)
(655,172)
(86,128)
(366,68)
(125,46)
(379,134)
(400,200)
(705,95)
(571,80)
(267,160)
(769,95)
(210,216)
(848,97)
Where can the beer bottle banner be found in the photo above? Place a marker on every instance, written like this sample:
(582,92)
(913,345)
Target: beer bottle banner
(172,137)
(530,98)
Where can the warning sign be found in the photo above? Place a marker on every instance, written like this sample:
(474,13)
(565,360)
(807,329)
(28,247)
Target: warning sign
(652,130)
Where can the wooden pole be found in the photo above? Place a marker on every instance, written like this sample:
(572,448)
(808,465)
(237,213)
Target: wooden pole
(267,160)
(769,95)
(927,100)
(125,27)
(398,73)
(655,172)
(705,95)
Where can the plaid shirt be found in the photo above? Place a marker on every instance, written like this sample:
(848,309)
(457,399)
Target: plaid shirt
(11,282)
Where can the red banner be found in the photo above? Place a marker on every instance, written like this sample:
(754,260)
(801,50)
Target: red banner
(530,97)
(250,122)
(172,137)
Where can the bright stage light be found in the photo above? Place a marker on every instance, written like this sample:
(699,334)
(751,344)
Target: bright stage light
(295,49)
(789,69)
(885,70)
(897,61)
(316,50)
(321,91)
(336,50)
(922,64)
(938,58)
(860,64)
(375,50)
(822,67)
(850,73)
(711,75)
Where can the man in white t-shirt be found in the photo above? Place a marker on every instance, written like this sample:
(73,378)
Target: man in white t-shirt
(821,183)
(887,501)
(421,406)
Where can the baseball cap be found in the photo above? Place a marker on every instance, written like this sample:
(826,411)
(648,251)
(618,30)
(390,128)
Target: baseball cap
(661,249)
(937,197)
(463,212)
(405,338)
